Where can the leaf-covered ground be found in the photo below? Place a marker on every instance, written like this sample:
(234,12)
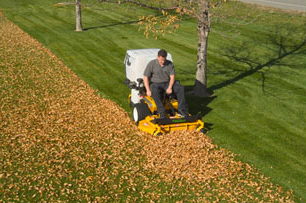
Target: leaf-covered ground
(61,142)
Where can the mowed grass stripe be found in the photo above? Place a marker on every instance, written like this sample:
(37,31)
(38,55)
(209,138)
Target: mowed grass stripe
(88,69)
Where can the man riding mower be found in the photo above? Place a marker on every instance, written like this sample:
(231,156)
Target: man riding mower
(158,100)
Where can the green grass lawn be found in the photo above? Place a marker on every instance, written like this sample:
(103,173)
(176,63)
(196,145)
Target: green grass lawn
(258,76)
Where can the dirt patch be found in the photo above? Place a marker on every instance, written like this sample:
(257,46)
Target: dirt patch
(62,142)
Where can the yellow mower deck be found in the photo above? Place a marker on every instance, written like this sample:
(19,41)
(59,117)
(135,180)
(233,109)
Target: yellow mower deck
(152,125)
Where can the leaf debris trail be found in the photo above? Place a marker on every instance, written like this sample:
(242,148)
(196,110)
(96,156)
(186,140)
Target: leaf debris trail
(61,142)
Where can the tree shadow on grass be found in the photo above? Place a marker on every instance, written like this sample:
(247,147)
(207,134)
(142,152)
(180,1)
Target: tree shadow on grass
(199,105)
(116,24)
(111,25)
(281,43)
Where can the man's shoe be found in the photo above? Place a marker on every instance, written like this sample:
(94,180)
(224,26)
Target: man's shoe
(162,115)
(182,113)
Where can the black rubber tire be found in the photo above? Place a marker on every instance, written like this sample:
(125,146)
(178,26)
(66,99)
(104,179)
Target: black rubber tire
(203,131)
(140,111)
(157,134)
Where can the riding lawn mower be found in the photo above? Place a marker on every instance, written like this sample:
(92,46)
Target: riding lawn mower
(144,108)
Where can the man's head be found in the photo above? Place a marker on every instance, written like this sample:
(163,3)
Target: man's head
(161,56)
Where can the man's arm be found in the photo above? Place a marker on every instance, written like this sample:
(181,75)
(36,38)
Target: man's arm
(171,82)
(146,78)
(147,85)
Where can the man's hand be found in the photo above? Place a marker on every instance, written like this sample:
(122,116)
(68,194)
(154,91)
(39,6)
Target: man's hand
(171,82)
(147,85)
(149,93)
(169,90)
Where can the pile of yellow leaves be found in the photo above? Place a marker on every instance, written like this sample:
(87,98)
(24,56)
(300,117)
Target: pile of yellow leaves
(60,142)
(192,157)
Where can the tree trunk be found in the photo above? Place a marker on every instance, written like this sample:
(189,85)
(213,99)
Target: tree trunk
(200,86)
(79,26)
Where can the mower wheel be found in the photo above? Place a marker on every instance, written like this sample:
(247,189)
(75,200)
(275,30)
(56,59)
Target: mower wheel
(157,134)
(140,111)
(203,131)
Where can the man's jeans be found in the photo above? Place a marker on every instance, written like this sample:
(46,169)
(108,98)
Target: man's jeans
(159,88)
